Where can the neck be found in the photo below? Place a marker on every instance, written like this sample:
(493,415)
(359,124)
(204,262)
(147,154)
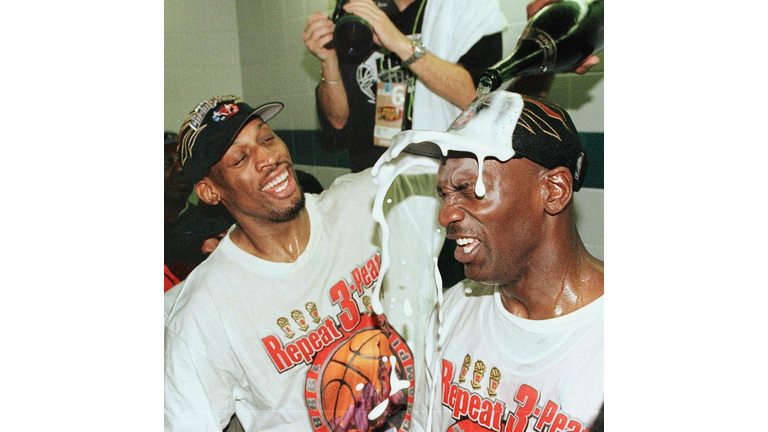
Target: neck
(274,241)
(562,278)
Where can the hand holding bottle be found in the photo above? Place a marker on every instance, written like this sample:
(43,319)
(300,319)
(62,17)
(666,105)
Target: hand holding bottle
(536,6)
(560,36)
(385,33)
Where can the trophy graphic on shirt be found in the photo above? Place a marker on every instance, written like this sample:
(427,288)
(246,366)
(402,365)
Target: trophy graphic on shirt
(367,304)
(465,368)
(286,326)
(493,384)
(312,309)
(299,318)
(477,376)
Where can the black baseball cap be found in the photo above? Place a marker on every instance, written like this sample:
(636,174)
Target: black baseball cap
(503,125)
(211,128)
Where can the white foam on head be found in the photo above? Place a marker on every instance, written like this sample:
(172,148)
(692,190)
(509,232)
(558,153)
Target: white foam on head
(485,129)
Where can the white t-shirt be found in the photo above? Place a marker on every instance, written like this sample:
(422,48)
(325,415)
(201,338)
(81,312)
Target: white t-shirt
(491,370)
(293,346)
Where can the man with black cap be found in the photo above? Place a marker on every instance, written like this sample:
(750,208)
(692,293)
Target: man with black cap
(519,345)
(275,325)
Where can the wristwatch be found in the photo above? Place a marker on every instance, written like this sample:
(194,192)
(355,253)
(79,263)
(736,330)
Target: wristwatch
(418,52)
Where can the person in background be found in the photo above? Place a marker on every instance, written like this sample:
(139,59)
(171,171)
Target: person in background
(436,49)
(519,344)
(273,326)
(188,227)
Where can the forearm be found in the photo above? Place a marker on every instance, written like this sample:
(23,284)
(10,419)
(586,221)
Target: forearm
(448,80)
(332,95)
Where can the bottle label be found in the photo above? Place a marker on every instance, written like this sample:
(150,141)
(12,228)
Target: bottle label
(547,45)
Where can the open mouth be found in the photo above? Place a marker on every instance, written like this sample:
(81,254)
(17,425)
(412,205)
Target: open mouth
(466,245)
(278,184)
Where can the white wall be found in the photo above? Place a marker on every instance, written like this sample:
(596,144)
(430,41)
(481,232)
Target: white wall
(253,48)
(202,55)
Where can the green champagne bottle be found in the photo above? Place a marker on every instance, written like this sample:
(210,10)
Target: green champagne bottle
(557,38)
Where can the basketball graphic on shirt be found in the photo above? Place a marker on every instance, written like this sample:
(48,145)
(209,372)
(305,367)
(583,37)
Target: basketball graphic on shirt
(356,379)
(363,381)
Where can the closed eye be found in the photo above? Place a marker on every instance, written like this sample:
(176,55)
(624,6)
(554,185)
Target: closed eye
(467,188)
(240,159)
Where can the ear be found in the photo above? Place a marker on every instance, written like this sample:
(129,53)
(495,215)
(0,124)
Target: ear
(559,190)
(206,191)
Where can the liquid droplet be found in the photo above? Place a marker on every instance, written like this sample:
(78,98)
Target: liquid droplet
(407,309)
(479,186)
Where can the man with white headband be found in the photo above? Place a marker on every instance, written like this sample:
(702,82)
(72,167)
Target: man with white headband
(519,345)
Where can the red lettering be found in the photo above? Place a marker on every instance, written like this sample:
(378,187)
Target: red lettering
(331,326)
(574,426)
(306,349)
(276,353)
(349,316)
(366,277)
(373,268)
(462,403)
(358,278)
(446,380)
(526,397)
(547,415)
(452,394)
(314,340)
(302,349)
(486,414)
(559,423)
(293,353)
(474,405)
(498,410)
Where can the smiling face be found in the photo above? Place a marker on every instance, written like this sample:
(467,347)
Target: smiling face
(255,177)
(498,233)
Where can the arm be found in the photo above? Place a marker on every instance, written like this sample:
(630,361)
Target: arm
(450,81)
(331,94)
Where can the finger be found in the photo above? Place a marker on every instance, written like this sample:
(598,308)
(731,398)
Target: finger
(366,10)
(316,31)
(587,64)
(536,6)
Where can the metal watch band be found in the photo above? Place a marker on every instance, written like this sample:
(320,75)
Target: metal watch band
(418,52)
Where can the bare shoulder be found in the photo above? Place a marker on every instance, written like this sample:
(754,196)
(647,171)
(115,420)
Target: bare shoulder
(593,275)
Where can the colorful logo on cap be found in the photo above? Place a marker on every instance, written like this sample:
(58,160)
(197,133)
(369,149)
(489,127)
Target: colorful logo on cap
(193,125)
(532,120)
(224,112)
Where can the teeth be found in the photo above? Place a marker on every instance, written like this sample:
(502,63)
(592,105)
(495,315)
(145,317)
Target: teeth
(463,242)
(281,178)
